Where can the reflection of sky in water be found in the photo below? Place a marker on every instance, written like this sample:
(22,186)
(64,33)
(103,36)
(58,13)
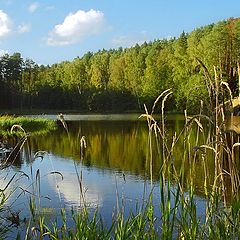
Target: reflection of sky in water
(65,192)
(100,185)
(68,189)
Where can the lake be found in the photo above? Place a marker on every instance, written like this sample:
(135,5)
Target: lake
(115,167)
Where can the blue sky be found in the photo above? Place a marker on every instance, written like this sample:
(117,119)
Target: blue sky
(56,30)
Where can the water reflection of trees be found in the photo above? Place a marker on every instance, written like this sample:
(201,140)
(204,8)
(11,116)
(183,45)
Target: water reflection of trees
(124,146)
(116,145)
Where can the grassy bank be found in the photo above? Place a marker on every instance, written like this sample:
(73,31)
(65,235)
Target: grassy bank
(18,125)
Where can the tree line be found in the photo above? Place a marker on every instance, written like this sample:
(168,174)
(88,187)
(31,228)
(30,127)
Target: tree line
(119,80)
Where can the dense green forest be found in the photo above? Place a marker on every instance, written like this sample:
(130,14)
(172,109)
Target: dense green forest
(119,80)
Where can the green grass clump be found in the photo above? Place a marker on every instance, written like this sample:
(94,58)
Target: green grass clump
(10,125)
(177,221)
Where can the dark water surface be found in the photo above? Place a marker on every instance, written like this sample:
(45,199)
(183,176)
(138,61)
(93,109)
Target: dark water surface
(114,166)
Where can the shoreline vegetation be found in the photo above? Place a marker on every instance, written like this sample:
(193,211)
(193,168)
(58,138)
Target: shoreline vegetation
(19,126)
(175,65)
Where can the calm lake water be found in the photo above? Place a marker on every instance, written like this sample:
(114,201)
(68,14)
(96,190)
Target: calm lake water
(114,166)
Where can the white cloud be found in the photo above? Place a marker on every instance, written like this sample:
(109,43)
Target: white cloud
(33,7)
(130,40)
(75,27)
(25,27)
(5,24)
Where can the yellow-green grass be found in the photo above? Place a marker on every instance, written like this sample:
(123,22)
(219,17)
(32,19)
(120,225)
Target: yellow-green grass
(11,125)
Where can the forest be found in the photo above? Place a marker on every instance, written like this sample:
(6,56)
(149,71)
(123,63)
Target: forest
(122,80)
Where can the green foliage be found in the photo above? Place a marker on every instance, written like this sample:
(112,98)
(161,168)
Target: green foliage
(139,73)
